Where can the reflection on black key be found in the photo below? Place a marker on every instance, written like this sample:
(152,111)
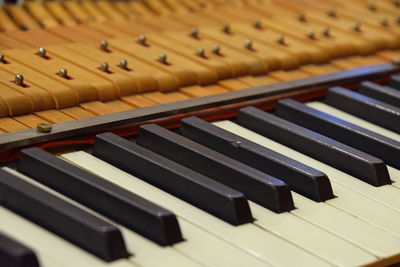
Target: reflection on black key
(395,82)
(203,192)
(62,218)
(112,201)
(14,254)
(359,164)
(370,109)
(300,178)
(345,132)
(257,186)
(380,92)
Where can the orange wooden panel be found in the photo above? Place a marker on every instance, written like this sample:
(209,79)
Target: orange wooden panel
(37,37)
(160,98)
(319,69)
(389,54)
(233,84)
(289,75)
(30,120)
(21,17)
(138,101)
(6,23)
(258,80)
(54,116)
(177,96)
(41,14)
(77,113)
(58,11)
(199,91)
(118,105)
(10,125)
(98,108)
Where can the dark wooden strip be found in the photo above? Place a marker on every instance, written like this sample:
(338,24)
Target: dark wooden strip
(257,186)
(203,192)
(62,218)
(383,93)
(357,163)
(122,206)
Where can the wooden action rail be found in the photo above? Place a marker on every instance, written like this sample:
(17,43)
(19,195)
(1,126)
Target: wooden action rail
(68,60)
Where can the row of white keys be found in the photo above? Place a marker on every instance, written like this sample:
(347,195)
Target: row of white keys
(349,203)
(145,252)
(393,172)
(245,245)
(48,244)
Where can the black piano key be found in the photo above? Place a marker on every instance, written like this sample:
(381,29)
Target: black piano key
(395,82)
(257,186)
(357,163)
(203,192)
(300,178)
(122,206)
(345,132)
(383,93)
(375,111)
(62,218)
(15,254)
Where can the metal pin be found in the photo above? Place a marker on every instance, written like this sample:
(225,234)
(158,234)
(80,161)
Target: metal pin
(201,52)
(357,26)
(104,45)
(302,16)
(326,32)
(142,39)
(63,73)
(19,79)
(194,32)
(249,44)
(257,24)
(216,49)
(123,64)
(384,21)
(226,28)
(163,58)
(311,34)
(41,52)
(104,66)
(332,12)
(2,59)
(372,5)
(44,127)
(281,39)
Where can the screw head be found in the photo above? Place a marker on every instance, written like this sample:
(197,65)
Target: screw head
(226,28)
(44,127)
(123,64)
(311,34)
(194,32)
(302,16)
(19,79)
(332,12)
(257,24)
(104,45)
(248,44)
(201,52)
(281,39)
(41,52)
(163,58)
(104,66)
(357,26)
(216,49)
(63,73)
(142,39)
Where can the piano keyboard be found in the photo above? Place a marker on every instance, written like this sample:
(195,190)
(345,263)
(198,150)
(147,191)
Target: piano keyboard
(313,184)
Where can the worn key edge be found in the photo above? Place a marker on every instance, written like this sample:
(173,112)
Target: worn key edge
(234,201)
(271,192)
(373,169)
(113,245)
(165,228)
(255,156)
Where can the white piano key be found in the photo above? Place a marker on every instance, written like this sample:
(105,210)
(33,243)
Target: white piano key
(377,242)
(145,252)
(50,245)
(387,195)
(204,237)
(393,172)
(353,196)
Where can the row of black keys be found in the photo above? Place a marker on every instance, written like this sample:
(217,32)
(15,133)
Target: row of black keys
(206,166)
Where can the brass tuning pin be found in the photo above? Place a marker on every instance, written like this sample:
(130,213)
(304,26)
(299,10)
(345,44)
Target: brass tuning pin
(281,39)
(104,45)
(226,28)
(104,66)
(302,16)
(385,21)
(332,12)
(2,59)
(163,58)
(326,32)
(42,52)
(142,39)
(194,32)
(123,64)
(248,44)
(357,26)
(311,34)
(257,24)
(216,50)
(63,73)
(201,52)
(19,79)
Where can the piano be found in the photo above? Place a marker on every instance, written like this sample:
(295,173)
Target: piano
(199,133)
